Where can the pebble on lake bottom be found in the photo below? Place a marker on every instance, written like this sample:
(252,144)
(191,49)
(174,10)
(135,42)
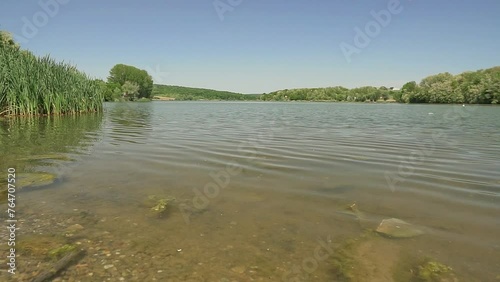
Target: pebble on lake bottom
(239,269)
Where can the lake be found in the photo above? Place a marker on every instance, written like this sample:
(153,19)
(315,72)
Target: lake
(258,191)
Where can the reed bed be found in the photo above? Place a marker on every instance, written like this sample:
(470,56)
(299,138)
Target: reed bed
(31,85)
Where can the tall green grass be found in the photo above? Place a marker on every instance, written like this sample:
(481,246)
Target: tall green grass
(31,85)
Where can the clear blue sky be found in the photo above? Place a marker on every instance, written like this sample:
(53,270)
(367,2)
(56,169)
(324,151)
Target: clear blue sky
(261,45)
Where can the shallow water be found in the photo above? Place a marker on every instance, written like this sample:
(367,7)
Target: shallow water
(258,187)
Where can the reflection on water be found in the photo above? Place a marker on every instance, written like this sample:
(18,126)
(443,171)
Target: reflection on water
(263,191)
(130,123)
(26,136)
(45,144)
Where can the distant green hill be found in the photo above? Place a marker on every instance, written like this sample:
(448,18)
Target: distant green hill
(188,93)
(470,87)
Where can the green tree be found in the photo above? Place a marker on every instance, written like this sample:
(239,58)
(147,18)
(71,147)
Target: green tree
(397,95)
(438,89)
(130,90)
(385,95)
(493,87)
(6,40)
(113,92)
(409,87)
(121,73)
(411,93)
(364,93)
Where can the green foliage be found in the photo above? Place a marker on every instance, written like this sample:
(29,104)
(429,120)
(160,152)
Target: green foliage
(31,85)
(338,93)
(406,92)
(121,73)
(343,264)
(130,90)
(112,92)
(189,93)
(479,87)
(159,205)
(438,89)
(365,93)
(433,271)
(7,41)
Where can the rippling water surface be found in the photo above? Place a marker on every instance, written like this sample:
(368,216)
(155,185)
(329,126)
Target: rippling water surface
(261,189)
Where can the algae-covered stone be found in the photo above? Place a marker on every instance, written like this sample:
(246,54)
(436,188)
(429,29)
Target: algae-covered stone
(34,179)
(74,228)
(432,271)
(38,245)
(61,251)
(397,228)
(422,269)
(239,269)
(159,205)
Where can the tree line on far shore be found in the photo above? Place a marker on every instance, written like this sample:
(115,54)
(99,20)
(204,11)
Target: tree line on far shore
(31,85)
(478,87)
(474,87)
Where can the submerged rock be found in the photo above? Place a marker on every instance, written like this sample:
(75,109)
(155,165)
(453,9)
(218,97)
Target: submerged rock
(160,205)
(35,179)
(239,269)
(74,228)
(434,271)
(38,246)
(61,251)
(397,228)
